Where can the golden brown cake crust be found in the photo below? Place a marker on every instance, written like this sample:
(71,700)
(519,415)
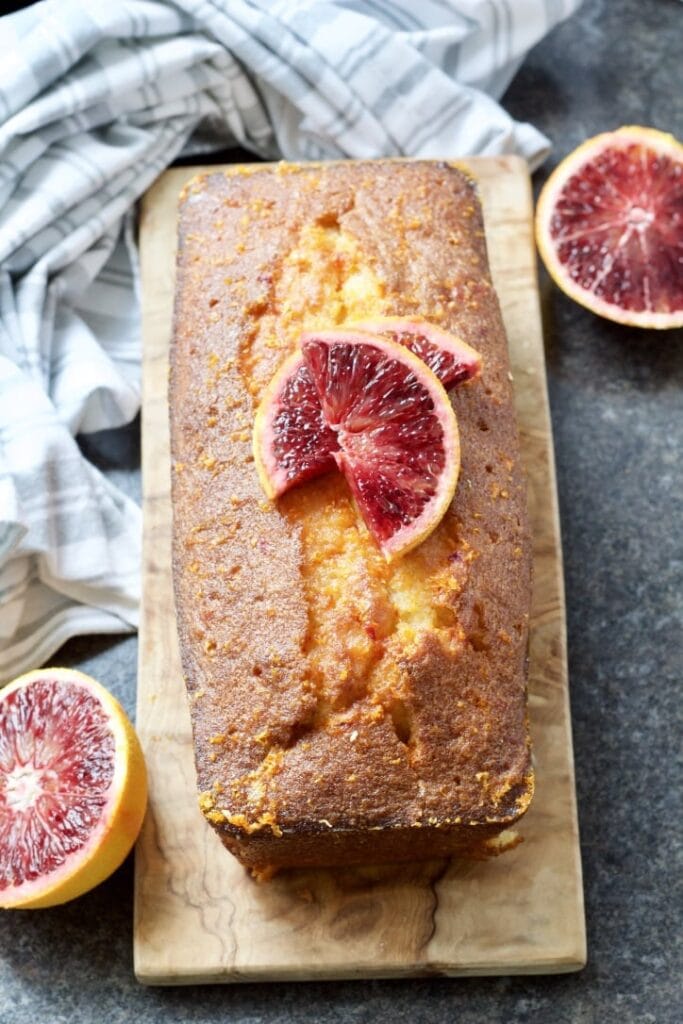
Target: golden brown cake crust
(425,751)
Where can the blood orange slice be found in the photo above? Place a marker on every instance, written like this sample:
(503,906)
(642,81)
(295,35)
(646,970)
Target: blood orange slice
(609,226)
(450,358)
(396,432)
(292,442)
(73,787)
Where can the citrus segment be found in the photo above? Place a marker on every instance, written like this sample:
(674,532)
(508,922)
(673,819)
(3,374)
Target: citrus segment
(292,442)
(73,787)
(396,431)
(609,226)
(450,358)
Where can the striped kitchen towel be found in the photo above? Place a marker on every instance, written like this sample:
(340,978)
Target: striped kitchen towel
(96,98)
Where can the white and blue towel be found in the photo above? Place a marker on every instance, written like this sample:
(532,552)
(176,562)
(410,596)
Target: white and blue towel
(97,97)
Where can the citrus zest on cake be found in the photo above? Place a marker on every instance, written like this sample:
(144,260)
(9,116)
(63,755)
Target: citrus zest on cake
(368,711)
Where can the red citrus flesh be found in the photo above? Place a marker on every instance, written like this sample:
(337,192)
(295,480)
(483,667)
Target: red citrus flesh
(396,432)
(292,442)
(56,757)
(450,358)
(65,754)
(610,226)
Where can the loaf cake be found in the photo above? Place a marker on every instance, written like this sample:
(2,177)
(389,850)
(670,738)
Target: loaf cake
(344,710)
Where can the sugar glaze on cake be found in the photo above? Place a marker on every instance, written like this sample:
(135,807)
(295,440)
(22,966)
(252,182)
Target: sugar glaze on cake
(344,710)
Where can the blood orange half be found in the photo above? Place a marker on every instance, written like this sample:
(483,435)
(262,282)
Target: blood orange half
(73,787)
(609,227)
(396,432)
(292,442)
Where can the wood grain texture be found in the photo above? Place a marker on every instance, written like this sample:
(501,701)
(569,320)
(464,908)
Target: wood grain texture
(198,916)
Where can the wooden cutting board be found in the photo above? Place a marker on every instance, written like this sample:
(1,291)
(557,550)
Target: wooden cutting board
(198,916)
